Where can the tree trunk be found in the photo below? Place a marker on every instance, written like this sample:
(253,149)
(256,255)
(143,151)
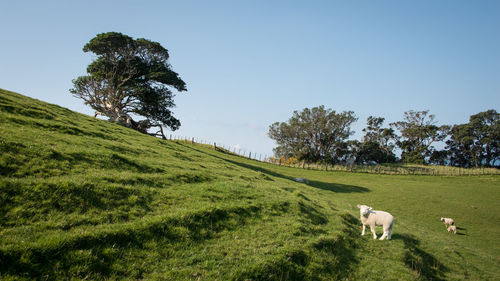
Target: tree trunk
(162,134)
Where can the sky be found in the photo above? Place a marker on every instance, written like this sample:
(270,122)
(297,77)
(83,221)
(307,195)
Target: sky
(248,64)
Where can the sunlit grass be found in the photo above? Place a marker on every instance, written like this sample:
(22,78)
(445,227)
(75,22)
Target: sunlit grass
(86,199)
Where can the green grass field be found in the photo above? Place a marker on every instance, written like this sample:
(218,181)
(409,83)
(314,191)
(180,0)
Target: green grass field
(81,198)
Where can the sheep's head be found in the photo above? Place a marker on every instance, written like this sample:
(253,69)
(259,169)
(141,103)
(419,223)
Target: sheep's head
(364,210)
(442,219)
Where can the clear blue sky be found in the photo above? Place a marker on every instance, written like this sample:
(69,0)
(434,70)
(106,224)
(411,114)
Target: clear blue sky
(248,64)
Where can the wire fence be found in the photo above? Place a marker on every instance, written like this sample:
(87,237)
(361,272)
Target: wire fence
(243,152)
(383,169)
(391,169)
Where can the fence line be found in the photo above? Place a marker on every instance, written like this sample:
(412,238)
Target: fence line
(389,169)
(243,152)
(384,169)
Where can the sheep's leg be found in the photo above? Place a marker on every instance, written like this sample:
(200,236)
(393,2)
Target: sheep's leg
(363,232)
(387,232)
(372,228)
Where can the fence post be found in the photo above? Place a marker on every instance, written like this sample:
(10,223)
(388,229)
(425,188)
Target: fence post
(215,146)
(250,155)
(192,141)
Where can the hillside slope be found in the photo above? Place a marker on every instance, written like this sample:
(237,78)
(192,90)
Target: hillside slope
(86,199)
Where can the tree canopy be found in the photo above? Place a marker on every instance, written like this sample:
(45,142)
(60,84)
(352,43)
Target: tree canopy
(378,142)
(315,134)
(418,132)
(130,78)
(321,135)
(476,143)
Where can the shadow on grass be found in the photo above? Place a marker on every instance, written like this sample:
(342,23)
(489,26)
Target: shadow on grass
(123,163)
(161,181)
(114,161)
(34,201)
(314,216)
(327,258)
(92,255)
(124,150)
(45,162)
(334,187)
(62,128)
(338,188)
(424,264)
(337,255)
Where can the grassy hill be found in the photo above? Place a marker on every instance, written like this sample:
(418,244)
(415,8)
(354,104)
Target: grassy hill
(81,198)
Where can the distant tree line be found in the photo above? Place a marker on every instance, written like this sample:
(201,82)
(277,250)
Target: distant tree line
(321,135)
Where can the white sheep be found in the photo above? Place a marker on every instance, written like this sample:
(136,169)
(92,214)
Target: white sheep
(448,221)
(452,228)
(373,218)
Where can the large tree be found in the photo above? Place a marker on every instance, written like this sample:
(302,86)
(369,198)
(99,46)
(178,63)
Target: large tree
(476,143)
(460,147)
(315,134)
(130,78)
(486,131)
(378,142)
(419,132)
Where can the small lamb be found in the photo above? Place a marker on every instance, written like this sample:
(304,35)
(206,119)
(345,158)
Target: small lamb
(448,221)
(373,218)
(452,228)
